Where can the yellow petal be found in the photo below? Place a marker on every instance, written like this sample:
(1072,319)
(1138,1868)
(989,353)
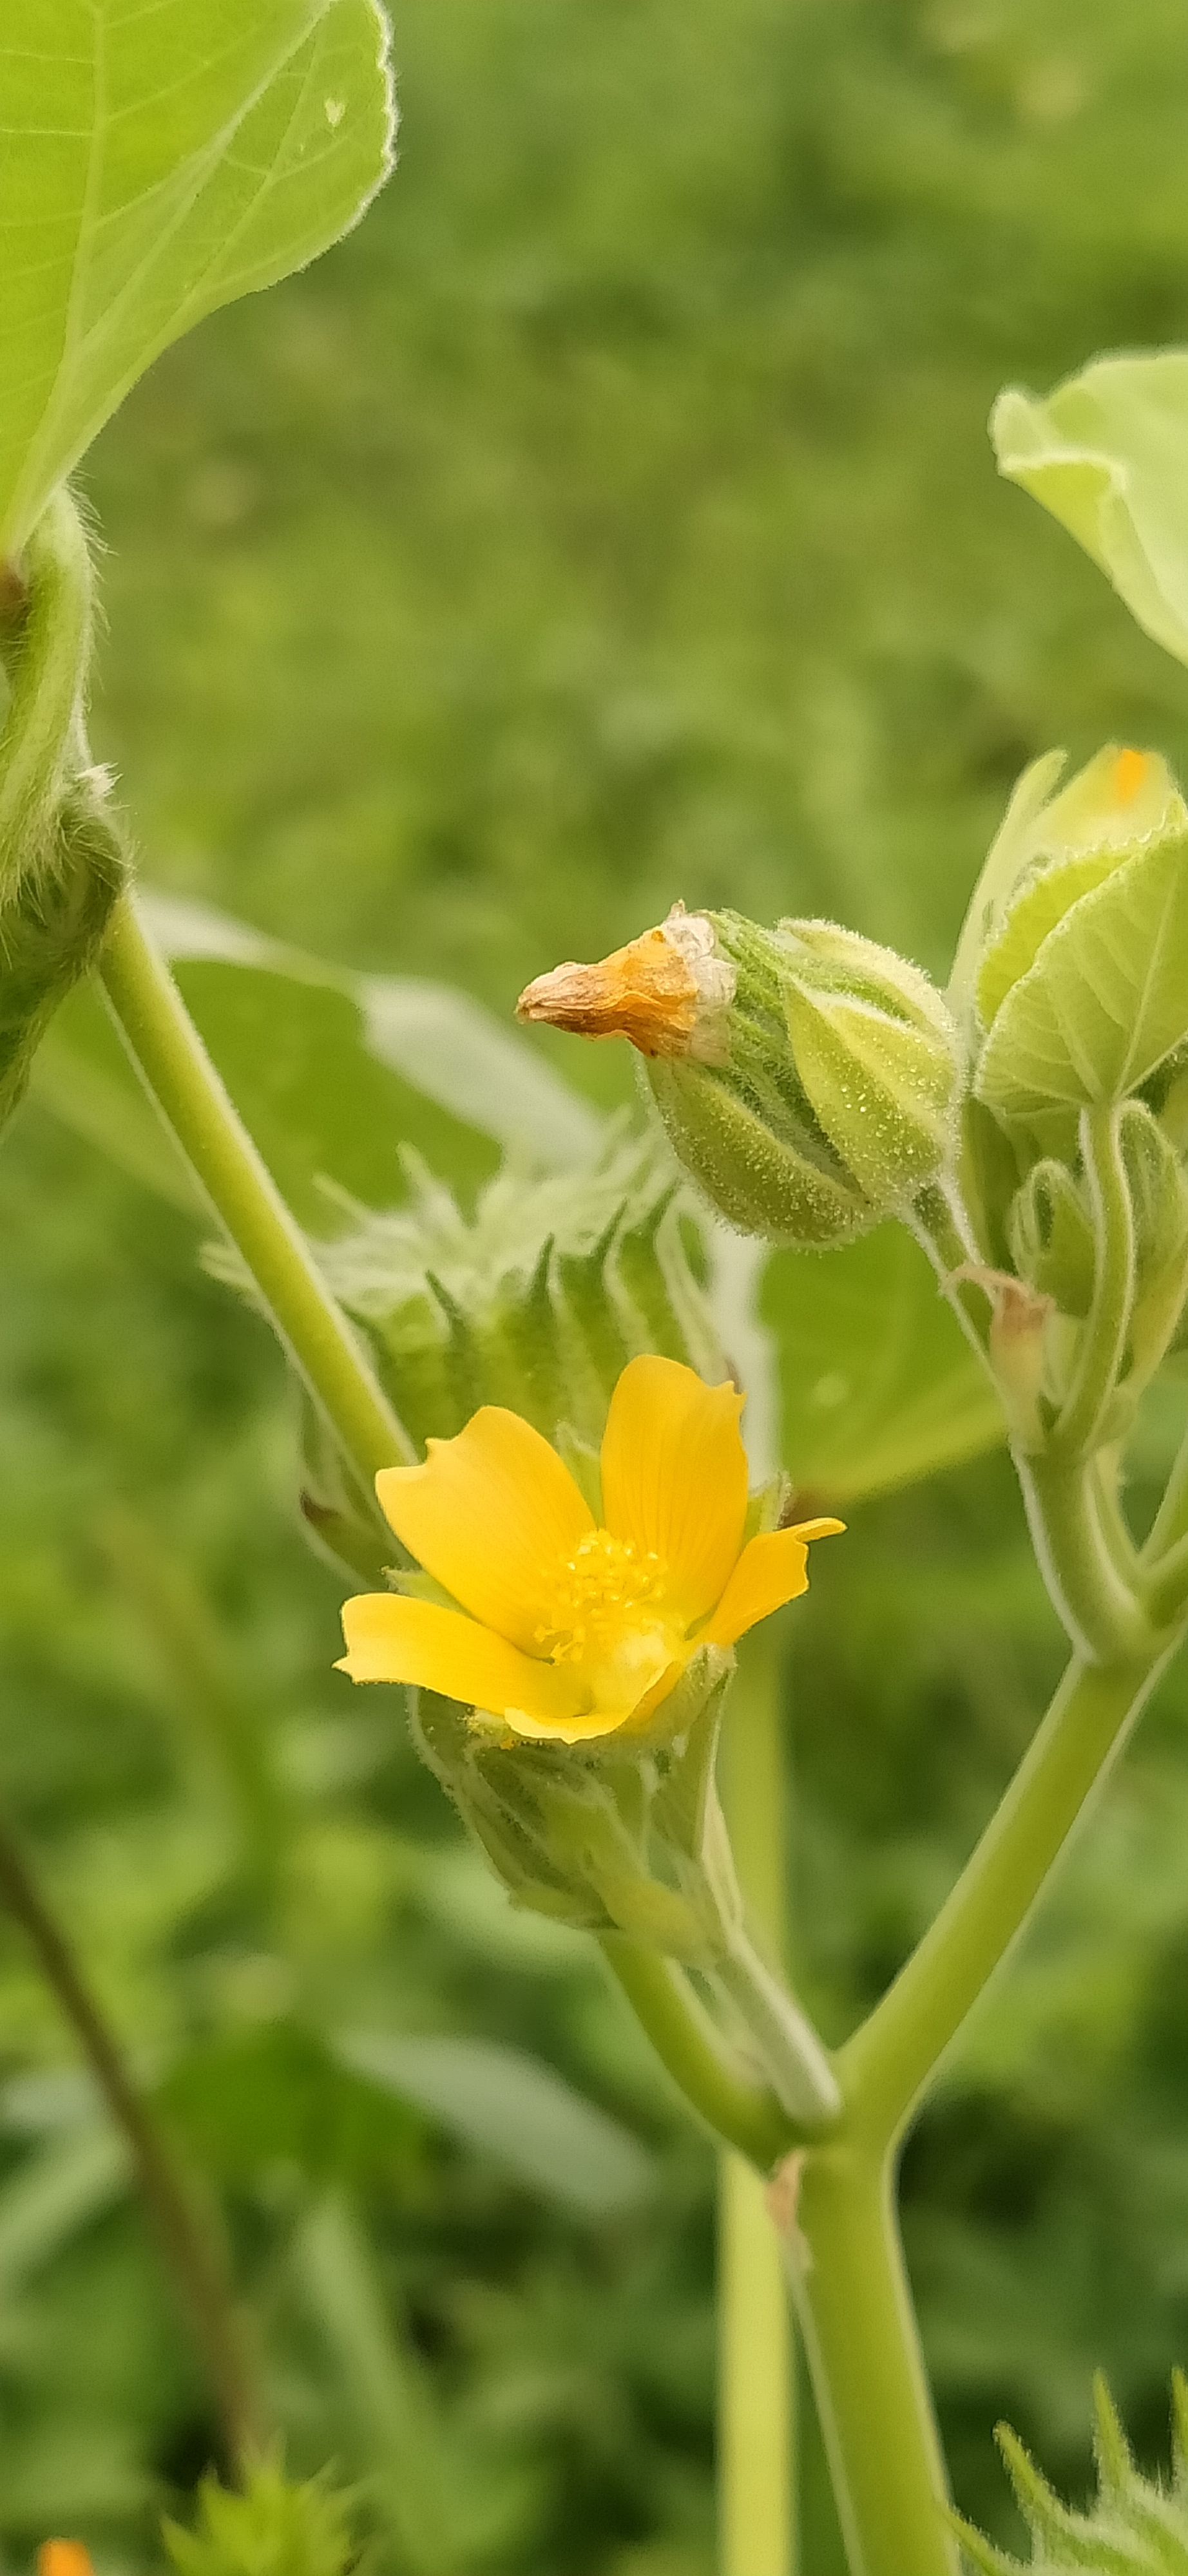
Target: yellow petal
(674,1477)
(567,1730)
(491,1515)
(770,1571)
(390,1639)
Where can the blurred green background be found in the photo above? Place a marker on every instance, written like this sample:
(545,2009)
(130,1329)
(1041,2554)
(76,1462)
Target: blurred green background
(610,518)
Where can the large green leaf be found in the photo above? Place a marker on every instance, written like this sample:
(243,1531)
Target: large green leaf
(877,1385)
(159,161)
(1107,454)
(333,1073)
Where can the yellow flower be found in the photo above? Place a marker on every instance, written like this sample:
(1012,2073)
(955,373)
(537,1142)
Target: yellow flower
(64,2558)
(569,1630)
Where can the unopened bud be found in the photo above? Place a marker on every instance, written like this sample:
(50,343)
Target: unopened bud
(669,992)
(1050,1231)
(807,1078)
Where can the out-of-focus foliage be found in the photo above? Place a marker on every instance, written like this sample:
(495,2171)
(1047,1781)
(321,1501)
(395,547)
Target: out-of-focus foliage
(611,518)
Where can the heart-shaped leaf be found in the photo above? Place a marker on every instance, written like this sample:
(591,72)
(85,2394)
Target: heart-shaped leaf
(158,162)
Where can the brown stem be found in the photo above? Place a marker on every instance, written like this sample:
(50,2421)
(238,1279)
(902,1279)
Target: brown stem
(192,2254)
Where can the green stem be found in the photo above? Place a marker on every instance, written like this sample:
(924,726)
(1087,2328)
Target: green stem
(887,2063)
(756,2485)
(795,2060)
(757,2502)
(872,2394)
(189,2245)
(1095,1603)
(746,2114)
(177,1071)
(1102,1349)
(1171,1520)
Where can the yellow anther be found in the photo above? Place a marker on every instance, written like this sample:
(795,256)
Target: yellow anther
(595,1593)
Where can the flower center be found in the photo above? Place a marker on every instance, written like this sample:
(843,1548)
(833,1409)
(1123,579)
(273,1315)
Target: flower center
(595,1593)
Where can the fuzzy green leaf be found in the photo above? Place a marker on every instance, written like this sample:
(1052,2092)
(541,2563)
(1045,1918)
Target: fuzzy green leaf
(1106,998)
(1135,2527)
(158,163)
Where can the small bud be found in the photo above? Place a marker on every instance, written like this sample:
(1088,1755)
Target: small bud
(1017,1349)
(807,1078)
(1050,1231)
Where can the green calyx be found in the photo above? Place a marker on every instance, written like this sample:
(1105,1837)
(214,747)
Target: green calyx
(1136,2527)
(611,1836)
(267,2528)
(62,861)
(535,1301)
(836,1098)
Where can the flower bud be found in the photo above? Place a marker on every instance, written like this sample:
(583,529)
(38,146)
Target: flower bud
(807,1078)
(1050,1232)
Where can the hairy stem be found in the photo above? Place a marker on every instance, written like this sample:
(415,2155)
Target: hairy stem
(177,1072)
(188,2243)
(887,2063)
(1088,1586)
(746,2114)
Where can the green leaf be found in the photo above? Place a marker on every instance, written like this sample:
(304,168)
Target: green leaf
(519,2112)
(157,163)
(877,1386)
(332,1072)
(53,2195)
(246,2101)
(1106,999)
(1105,453)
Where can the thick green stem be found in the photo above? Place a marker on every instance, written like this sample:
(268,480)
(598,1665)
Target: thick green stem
(887,2063)
(188,2243)
(178,1073)
(748,2115)
(872,2393)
